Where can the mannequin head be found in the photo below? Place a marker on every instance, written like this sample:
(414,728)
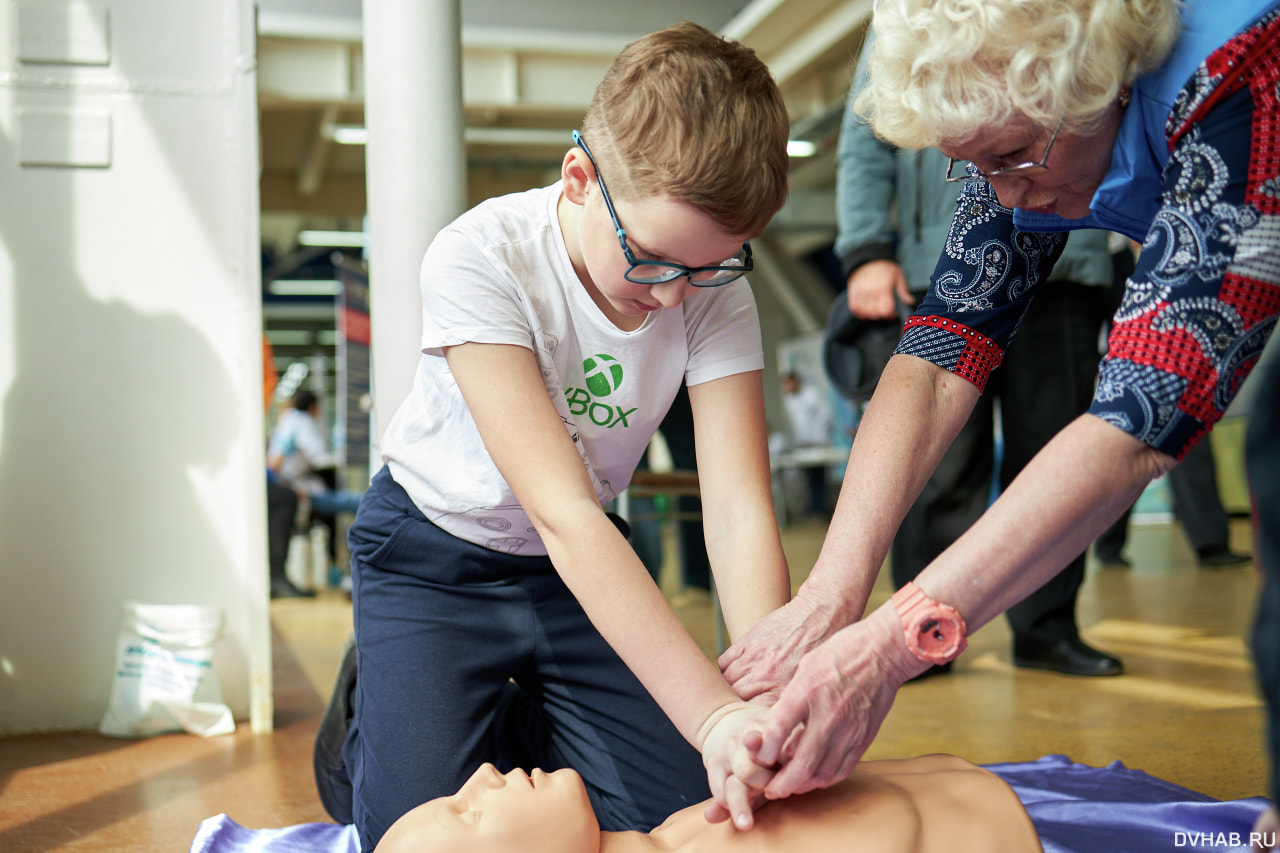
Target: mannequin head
(492,813)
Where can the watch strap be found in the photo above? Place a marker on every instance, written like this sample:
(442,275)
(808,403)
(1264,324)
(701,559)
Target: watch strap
(910,602)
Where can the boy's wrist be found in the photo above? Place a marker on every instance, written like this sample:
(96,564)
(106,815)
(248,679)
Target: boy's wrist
(717,716)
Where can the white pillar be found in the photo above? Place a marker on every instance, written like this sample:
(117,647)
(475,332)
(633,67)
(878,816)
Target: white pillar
(415,172)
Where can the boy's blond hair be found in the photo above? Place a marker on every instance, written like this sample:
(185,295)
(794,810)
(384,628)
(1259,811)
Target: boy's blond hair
(686,113)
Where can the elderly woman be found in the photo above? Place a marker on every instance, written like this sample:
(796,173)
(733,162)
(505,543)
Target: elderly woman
(1155,119)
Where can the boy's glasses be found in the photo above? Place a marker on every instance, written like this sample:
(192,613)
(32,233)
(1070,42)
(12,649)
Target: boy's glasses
(648,271)
(1019,169)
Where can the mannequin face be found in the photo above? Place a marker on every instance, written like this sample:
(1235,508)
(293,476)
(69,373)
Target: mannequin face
(492,813)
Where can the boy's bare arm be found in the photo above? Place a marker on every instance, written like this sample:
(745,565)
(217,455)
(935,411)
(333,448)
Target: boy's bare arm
(527,440)
(739,523)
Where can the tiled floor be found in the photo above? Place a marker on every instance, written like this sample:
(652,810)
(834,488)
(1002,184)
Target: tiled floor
(1186,710)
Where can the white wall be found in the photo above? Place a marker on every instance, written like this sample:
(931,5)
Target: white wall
(130,371)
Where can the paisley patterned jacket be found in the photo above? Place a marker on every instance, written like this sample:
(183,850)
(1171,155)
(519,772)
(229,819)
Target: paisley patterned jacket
(1205,295)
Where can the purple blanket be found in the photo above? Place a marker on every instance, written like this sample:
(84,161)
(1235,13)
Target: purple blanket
(1075,808)
(1082,809)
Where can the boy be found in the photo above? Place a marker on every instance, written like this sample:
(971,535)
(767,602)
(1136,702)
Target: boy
(500,614)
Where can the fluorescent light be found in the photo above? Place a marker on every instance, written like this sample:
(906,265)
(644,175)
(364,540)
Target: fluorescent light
(304,287)
(352,239)
(800,148)
(518,136)
(349,134)
(290,338)
(355,134)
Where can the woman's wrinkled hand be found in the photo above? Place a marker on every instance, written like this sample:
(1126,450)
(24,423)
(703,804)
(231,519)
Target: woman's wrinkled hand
(832,708)
(764,659)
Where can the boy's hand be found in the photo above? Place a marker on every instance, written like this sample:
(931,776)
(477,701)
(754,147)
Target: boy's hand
(832,709)
(727,740)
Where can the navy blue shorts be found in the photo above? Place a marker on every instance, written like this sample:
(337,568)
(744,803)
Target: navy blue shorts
(467,655)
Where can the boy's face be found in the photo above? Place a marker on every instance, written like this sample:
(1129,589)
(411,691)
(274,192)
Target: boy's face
(658,228)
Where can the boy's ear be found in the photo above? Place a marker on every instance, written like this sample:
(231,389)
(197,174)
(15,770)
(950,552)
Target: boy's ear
(577,173)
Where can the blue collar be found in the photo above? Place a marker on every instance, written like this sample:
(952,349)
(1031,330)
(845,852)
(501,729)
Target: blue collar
(1128,198)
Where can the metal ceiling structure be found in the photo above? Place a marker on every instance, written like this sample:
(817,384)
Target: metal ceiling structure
(529,69)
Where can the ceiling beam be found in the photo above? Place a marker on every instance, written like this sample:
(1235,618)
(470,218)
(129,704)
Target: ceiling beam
(316,157)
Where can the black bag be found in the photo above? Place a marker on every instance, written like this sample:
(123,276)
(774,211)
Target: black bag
(854,351)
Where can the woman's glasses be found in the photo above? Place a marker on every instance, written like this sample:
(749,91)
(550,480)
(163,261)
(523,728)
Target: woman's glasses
(1016,170)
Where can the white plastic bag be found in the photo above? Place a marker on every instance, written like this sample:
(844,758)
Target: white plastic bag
(164,680)
(297,567)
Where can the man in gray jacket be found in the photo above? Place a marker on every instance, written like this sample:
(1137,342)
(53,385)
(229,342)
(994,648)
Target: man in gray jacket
(894,210)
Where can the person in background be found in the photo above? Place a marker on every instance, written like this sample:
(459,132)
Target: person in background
(646,534)
(810,418)
(1153,119)
(300,456)
(282,509)
(282,501)
(1196,503)
(893,214)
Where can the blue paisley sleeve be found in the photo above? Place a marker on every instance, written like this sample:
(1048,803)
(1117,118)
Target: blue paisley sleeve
(981,287)
(1204,297)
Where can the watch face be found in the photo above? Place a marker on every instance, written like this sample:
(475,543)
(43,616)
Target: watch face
(937,637)
(934,632)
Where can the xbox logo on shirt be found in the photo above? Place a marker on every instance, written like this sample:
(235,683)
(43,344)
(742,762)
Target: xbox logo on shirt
(604,374)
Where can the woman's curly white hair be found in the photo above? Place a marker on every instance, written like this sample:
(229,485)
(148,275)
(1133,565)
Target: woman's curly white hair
(944,70)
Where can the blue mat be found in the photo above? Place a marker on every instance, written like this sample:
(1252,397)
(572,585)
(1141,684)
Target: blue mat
(1075,808)
(1082,809)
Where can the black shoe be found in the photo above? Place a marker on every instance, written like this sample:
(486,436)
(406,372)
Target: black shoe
(1221,557)
(1069,656)
(1113,561)
(284,588)
(332,780)
(936,669)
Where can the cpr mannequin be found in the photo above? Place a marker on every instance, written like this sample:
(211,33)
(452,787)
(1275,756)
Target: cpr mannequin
(931,804)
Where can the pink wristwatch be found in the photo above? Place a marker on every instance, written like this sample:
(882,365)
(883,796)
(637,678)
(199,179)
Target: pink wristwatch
(935,632)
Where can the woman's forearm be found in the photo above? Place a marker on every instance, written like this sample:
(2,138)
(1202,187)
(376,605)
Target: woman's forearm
(1073,489)
(892,458)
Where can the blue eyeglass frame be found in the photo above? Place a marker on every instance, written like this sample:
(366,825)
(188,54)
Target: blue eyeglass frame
(675,269)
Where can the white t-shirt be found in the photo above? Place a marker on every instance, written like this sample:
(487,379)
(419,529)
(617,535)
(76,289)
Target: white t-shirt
(500,274)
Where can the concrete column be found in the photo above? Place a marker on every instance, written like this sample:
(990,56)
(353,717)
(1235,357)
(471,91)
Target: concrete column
(416,172)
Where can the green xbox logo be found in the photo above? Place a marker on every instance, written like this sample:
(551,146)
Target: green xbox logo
(604,374)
